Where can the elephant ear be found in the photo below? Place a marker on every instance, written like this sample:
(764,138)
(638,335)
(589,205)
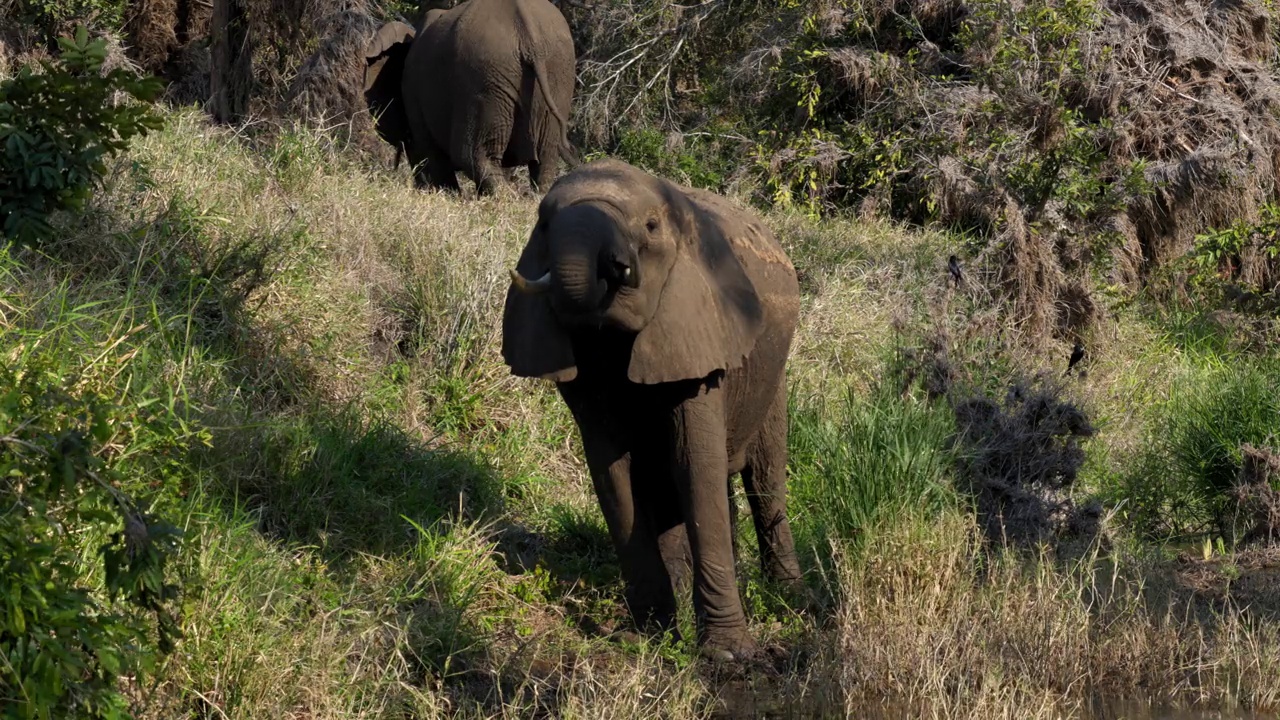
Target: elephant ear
(709,315)
(384,69)
(533,342)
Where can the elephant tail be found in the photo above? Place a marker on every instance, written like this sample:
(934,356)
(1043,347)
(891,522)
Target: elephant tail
(540,73)
(570,153)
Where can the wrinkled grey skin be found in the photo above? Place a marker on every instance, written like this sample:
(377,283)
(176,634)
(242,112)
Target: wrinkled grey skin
(665,316)
(485,85)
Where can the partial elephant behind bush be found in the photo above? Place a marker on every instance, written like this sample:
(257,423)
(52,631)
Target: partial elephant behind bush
(483,86)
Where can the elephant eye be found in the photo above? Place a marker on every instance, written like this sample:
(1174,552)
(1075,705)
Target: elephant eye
(651,225)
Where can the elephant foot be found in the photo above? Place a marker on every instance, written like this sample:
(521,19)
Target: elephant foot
(735,645)
(627,637)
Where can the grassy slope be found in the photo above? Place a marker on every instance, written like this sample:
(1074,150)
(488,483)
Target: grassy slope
(385,523)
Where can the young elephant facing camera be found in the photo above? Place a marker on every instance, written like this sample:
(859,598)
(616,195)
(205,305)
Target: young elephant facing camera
(665,316)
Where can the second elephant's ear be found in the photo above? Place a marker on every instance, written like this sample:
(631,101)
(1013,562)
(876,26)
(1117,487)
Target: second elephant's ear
(709,315)
(384,69)
(533,342)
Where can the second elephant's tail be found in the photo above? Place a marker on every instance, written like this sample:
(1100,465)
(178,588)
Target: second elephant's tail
(540,78)
(540,74)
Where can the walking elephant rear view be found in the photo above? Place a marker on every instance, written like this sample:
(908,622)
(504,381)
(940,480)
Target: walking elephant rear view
(480,87)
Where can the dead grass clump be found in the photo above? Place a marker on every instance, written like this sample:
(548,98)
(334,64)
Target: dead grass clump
(190,72)
(1020,458)
(1201,106)
(1258,492)
(163,35)
(933,623)
(329,84)
(861,73)
(152,32)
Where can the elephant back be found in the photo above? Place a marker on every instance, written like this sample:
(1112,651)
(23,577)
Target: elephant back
(757,248)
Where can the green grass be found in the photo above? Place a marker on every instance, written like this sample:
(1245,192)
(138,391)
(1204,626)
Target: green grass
(384,523)
(1180,483)
(858,460)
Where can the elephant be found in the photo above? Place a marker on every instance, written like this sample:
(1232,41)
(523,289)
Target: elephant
(664,315)
(483,86)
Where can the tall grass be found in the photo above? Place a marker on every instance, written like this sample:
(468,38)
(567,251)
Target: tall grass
(1180,483)
(857,460)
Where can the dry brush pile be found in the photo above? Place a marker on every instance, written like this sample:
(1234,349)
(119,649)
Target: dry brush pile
(1074,138)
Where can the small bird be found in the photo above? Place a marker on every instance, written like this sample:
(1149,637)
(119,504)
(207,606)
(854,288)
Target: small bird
(1077,354)
(953,266)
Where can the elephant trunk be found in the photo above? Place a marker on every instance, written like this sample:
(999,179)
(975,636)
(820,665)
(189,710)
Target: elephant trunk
(591,259)
(575,282)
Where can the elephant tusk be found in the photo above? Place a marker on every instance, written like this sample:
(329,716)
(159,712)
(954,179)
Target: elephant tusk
(531,287)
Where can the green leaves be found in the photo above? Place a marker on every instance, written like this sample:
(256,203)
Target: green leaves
(69,630)
(58,126)
(1218,254)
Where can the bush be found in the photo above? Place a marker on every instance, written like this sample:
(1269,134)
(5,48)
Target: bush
(1182,482)
(69,630)
(697,159)
(1246,253)
(52,17)
(57,126)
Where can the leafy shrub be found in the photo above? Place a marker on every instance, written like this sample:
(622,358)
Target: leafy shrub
(695,159)
(1183,480)
(1245,252)
(69,630)
(57,126)
(53,17)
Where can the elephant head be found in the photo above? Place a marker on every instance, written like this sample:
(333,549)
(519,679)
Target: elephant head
(384,69)
(617,248)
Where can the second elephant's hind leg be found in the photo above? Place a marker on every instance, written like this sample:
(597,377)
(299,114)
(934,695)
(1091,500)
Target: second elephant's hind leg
(432,168)
(765,480)
(542,172)
(484,171)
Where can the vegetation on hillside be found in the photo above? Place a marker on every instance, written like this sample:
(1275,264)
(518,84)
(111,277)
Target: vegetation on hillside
(253,410)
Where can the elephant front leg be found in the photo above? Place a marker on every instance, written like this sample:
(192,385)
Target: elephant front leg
(648,586)
(700,466)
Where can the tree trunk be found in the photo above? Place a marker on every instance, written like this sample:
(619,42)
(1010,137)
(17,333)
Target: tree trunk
(231,70)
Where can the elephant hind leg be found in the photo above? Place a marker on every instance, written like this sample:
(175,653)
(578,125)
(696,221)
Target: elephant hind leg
(764,478)
(483,168)
(542,172)
(432,168)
